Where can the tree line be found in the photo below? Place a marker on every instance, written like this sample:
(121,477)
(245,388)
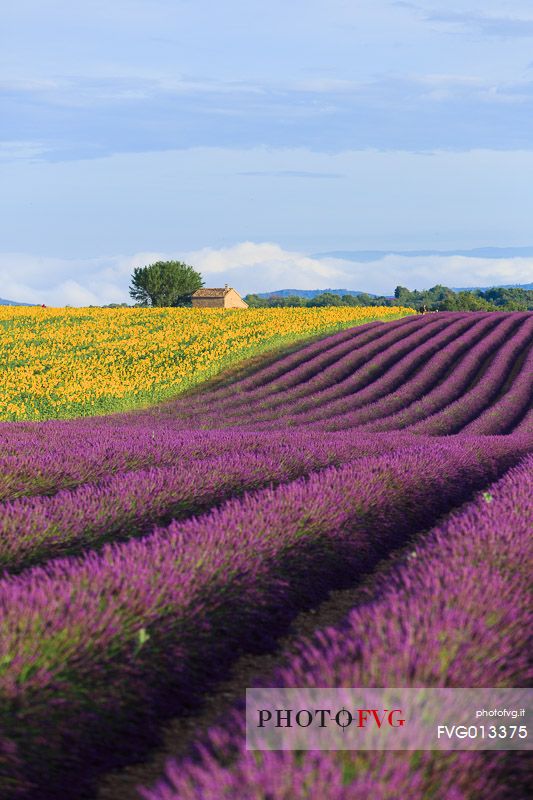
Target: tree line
(438,298)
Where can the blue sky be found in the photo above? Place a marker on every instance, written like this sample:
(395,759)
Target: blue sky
(245,137)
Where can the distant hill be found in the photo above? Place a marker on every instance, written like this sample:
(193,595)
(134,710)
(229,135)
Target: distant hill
(4,302)
(526,286)
(477,252)
(310,293)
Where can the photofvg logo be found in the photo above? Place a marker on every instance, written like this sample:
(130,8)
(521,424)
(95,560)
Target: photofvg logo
(388,719)
(321,718)
(305,717)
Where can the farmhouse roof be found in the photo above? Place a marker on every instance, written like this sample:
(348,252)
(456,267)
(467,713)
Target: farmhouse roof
(211,292)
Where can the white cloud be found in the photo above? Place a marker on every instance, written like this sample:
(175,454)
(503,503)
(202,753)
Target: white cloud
(250,267)
(421,272)
(267,259)
(267,266)
(57,282)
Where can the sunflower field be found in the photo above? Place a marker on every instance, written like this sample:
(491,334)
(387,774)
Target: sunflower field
(72,362)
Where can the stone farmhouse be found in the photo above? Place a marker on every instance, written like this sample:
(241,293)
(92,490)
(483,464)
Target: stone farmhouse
(218,298)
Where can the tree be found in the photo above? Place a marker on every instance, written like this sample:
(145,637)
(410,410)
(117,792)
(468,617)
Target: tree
(165,283)
(467,301)
(400,292)
(254,301)
(351,300)
(327,299)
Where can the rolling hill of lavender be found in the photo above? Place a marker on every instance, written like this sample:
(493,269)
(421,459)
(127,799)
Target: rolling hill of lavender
(144,553)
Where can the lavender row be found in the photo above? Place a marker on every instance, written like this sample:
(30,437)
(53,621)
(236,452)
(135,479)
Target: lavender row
(292,370)
(333,380)
(525,427)
(106,639)
(339,371)
(41,458)
(33,529)
(497,330)
(337,385)
(46,458)
(388,372)
(452,386)
(267,413)
(310,356)
(456,612)
(514,402)
(456,415)
(276,409)
(398,397)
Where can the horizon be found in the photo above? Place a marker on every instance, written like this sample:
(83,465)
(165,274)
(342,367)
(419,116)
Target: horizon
(307,292)
(159,130)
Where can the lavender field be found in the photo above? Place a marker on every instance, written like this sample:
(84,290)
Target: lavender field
(144,553)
